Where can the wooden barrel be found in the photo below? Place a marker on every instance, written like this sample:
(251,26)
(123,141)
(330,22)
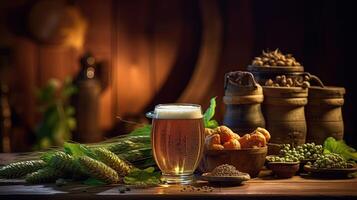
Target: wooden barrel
(243,98)
(324,113)
(283,109)
(262,74)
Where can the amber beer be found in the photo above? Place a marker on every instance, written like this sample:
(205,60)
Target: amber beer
(177,140)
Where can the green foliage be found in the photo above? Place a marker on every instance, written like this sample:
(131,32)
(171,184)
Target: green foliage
(209,114)
(19,169)
(77,149)
(212,124)
(331,145)
(57,115)
(143,178)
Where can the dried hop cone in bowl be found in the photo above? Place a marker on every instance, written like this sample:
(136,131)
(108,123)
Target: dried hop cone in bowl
(275,58)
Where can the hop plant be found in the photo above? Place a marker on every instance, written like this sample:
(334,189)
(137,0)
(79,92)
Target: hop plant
(98,170)
(19,169)
(45,175)
(113,161)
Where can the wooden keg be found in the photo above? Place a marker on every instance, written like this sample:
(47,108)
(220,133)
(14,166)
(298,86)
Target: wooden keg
(324,113)
(243,98)
(283,109)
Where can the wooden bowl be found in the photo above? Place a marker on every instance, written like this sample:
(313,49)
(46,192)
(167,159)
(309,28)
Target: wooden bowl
(284,169)
(225,180)
(245,160)
(331,172)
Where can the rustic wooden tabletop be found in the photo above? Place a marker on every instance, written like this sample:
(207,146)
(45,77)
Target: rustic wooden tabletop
(265,187)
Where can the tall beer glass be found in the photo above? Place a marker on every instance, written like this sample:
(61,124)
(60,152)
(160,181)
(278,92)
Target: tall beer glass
(177,140)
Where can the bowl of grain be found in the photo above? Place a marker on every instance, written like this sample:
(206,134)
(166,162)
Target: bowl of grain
(250,160)
(225,175)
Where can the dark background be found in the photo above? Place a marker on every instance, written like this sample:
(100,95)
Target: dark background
(320,34)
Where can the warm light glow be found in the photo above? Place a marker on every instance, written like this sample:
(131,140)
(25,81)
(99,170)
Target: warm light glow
(163,189)
(74,32)
(135,82)
(178,170)
(90,72)
(165,185)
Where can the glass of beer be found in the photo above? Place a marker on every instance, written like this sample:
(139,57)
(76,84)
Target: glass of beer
(177,139)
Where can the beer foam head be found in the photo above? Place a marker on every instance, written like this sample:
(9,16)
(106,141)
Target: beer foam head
(177,111)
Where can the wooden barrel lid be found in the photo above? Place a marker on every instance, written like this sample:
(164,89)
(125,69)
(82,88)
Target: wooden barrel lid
(253,68)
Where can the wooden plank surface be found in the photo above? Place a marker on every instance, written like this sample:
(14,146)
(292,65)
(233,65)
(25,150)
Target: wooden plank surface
(295,188)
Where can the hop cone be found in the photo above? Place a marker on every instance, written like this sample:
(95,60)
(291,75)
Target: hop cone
(98,170)
(45,175)
(19,169)
(64,162)
(113,161)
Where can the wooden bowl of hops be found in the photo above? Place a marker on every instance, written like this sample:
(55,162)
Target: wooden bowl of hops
(246,153)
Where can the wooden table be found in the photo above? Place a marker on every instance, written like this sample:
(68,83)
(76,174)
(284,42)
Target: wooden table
(265,187)
(294,188)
